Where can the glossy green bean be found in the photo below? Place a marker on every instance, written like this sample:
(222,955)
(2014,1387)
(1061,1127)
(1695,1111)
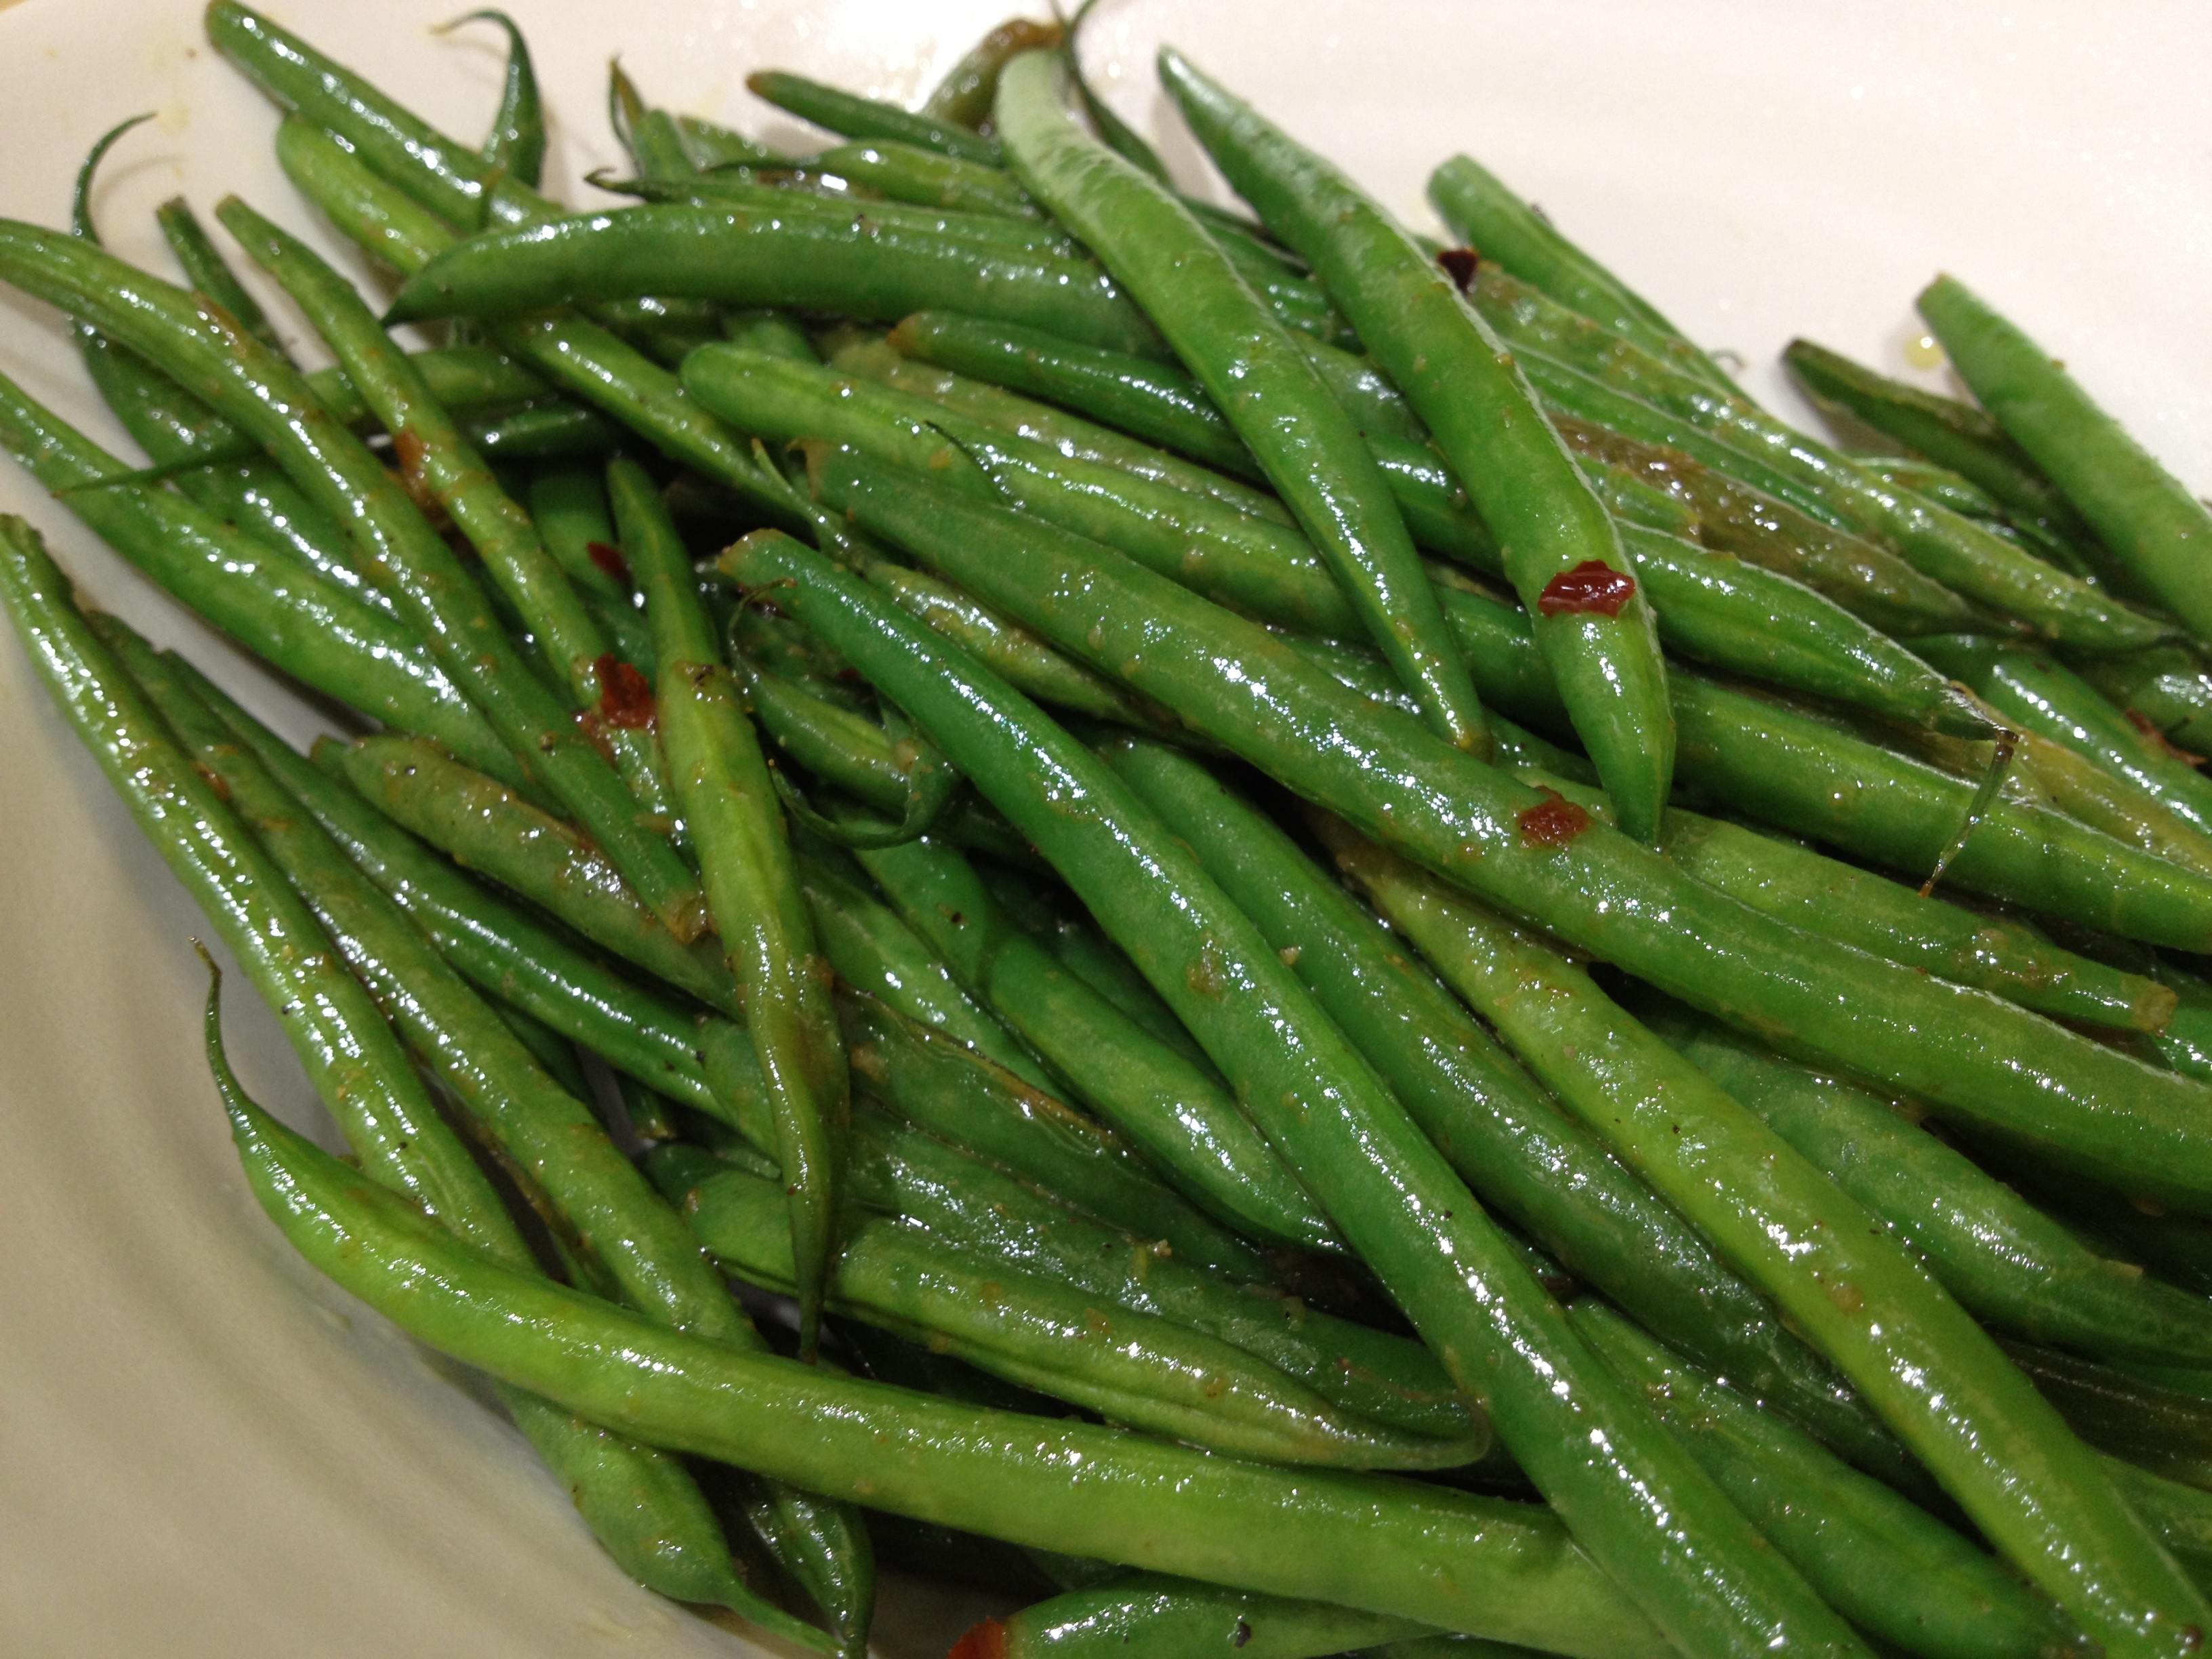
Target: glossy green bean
(1165,1618)
(653,140)
(1954,549)
(395,545)
(1058,1340)
(556,429)
(2165,690)
(721,781)
(1483,213)
(906,172)
(1178,1114)
(484,826)
(2158,1421)
(987,1111)
(1871,582)
(1552,1179)
(2041,695)
(878,954)
(1598,638)
(1965,1051)
(639,1501)
(2009,1263)
(434,458)
(964,94)
(2154,524)
(741,256)
(318,633)
(515,145)
(1398,1203)
(712,145)
(1358,1538)
(1937,1379)
(807,194)
(1884,1562)
(2181,1515)
(207,272)
(851,116)
(1306,445)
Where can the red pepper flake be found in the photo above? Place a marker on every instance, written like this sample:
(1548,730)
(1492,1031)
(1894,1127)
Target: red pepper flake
(1552,822)
(609,559)
(1590,588)
(1460,264)
(2148,727)
(985,1641)
(625,695)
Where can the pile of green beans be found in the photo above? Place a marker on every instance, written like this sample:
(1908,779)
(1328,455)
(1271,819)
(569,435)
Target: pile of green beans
(940,746)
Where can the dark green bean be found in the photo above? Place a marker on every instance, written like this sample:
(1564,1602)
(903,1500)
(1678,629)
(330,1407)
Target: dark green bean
(711,145)
(2154,524)
(1936,1378)
(1398,1203)
(906,173)
(807,194)
(207,272)
(1886,1564)
(516,143)
(1519,1151)
(1165,1618)
(1178,1114)
(1305,445)
(1967,1051)
(1363,1539)
(2163,1425)
(851,116)
(2165,690)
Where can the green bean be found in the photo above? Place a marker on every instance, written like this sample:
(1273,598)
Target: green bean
(721,781)
(817,197)
(1165,1618)
(206,271)
(1560,547)
(501,949)
(851,116)
(753,257)
(578,356)
(1398,1203)
(639,1501)
(395,545)
(906,172)
(1482,212)
(1967,1052)
(1516,1149)
(483,826)
(1304,444)
(1037,1334)
(989,1112)
(2181,1515)
(436,458)
(2007,1262)
(2155,527)
(1176,1113)
(964,96)
(2041,696)
(1871,582)
(2160,1426)
(773,331)
(1363,1538)
(318,633)
(1940,543)
(2164,689)
(713,146)
(569,505)
(1892,1568)
(1371,1374)
(1251,563)
(878,954)
(653,140)
(554,430)
(516,143)
(1078,439)
(1936,1377)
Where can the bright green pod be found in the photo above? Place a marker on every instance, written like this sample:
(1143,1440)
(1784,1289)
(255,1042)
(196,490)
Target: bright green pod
(851,116)
(1306,445)
(1177,1113)
(1165,1618)
(1042,1334)
(1945,1388)
(2151,522)
(908,172)
(1399,1205)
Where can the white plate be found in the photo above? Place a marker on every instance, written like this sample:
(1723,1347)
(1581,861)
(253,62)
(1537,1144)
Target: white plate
(204,1448)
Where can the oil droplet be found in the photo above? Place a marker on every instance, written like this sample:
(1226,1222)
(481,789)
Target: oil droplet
(1925,351)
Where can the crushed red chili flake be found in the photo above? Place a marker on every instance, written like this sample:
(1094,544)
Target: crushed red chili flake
(1590,588)
(1460,264)
(2148,727)
(625,695)
(1552,822)
(609,559)
(985,1641)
